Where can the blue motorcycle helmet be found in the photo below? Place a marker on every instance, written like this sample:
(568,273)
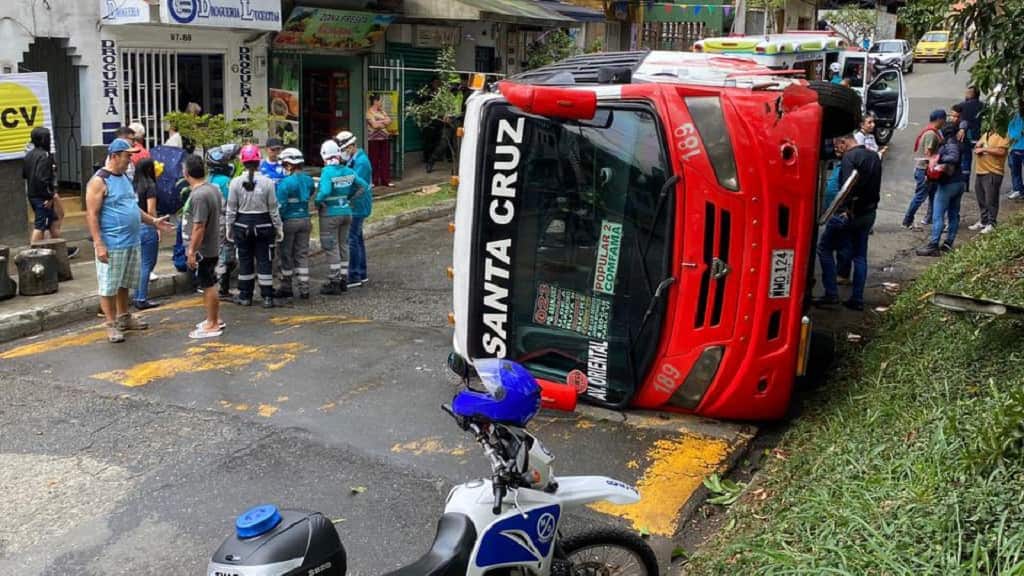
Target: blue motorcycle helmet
(511,395)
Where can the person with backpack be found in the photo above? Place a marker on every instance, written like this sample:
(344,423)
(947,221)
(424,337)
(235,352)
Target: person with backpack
(253,224)
(362,206)
(338,185)
(39,169)
(293,194)
(948,193)
(926,145)
(220,161)
(146,173)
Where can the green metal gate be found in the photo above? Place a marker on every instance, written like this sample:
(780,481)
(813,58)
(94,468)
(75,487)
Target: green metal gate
(413,57)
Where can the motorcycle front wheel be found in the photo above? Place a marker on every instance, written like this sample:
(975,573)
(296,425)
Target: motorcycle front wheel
(609,552)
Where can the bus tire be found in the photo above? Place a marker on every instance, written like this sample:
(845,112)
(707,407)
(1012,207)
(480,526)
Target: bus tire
(841,107)
(821,355)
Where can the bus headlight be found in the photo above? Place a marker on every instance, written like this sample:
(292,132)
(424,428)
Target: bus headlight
(697,382)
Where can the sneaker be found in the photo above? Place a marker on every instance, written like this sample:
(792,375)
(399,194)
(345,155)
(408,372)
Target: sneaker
(854,305)
(925,222)
(355,283)
(126,322)
(243,301)
(268,302)
(976,226)
(331,288)
(929,250)
(144,304)
(220,324)
(946,247)
(201,333)
(825,301)
(153,276)
(988,229)
(114,334)
(1015,195)
(73,252)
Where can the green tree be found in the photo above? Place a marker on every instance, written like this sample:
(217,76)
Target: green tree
(853,23)
(440,102)
(990,30)
(209,130)
(920,16)
(550,48)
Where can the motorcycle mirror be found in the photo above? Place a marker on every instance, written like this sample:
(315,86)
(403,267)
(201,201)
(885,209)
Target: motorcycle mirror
(458,365)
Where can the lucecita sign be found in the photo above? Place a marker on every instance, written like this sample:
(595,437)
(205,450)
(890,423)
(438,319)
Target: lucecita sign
(247,14)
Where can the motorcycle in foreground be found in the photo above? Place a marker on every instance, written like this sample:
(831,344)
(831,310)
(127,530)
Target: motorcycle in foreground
(507,525)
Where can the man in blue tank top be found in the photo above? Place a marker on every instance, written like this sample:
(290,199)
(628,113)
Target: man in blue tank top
(114,218)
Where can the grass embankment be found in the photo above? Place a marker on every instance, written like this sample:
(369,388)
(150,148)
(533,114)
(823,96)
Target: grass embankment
(911,460)
(408,202)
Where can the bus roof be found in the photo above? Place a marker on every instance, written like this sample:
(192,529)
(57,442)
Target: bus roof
(788,43)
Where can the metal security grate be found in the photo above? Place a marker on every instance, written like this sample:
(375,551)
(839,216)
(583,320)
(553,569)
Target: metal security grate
(150,89)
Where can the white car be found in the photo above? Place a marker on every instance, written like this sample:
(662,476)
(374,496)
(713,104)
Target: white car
(891,53)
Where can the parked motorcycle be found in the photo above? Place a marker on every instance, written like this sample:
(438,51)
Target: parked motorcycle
(505,525)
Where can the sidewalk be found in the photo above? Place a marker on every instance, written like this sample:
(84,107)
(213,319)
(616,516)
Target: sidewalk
(77,300)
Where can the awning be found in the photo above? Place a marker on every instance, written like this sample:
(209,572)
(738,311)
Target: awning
(508,11)
(323,29)
(577,13)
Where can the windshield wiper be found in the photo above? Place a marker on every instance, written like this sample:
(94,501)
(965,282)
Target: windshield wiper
(645,247)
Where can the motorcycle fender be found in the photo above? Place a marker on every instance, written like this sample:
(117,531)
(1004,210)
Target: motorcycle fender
(583,490)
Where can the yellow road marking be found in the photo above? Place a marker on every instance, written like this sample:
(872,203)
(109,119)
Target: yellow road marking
(185,304)
(282,398)
(77,339)
(54,344)
(298,320)
(430,445)
(677,468)
(267,410)
(205,357)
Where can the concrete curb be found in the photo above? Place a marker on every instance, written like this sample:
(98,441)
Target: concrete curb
(35,320)
(396,222)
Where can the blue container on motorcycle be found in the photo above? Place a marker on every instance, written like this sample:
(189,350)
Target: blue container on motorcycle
(511,395)
(257,521)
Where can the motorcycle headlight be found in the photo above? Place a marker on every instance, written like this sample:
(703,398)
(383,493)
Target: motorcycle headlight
(697,382)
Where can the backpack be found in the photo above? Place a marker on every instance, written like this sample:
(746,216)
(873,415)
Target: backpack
(920,136)
(168,197)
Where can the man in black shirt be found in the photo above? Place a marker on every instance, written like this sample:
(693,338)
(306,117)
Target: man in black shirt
(857,216)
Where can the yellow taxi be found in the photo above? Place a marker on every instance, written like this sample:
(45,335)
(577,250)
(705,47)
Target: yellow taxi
(934,45)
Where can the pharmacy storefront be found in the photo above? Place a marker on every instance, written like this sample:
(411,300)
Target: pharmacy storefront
(160,59)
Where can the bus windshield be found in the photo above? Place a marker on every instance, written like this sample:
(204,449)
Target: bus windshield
(572,241)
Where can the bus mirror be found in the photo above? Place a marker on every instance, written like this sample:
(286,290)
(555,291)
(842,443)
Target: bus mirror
(551,101)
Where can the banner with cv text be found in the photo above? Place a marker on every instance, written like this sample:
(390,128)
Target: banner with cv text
(24,105)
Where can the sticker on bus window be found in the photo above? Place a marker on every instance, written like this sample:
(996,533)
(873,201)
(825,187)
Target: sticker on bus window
(571,310)
(607,266)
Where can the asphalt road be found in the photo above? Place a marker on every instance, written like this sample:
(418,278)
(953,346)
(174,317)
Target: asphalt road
(135,458)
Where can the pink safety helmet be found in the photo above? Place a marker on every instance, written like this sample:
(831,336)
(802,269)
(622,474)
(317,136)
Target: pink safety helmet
(250,153)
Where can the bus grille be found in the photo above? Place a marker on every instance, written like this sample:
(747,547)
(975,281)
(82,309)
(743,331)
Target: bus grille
(717,234)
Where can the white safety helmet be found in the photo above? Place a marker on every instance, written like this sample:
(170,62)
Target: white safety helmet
(292,156)
(329,149)
(835,67)
(345,139)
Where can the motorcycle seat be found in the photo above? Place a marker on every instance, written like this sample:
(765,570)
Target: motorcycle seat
(449,555)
